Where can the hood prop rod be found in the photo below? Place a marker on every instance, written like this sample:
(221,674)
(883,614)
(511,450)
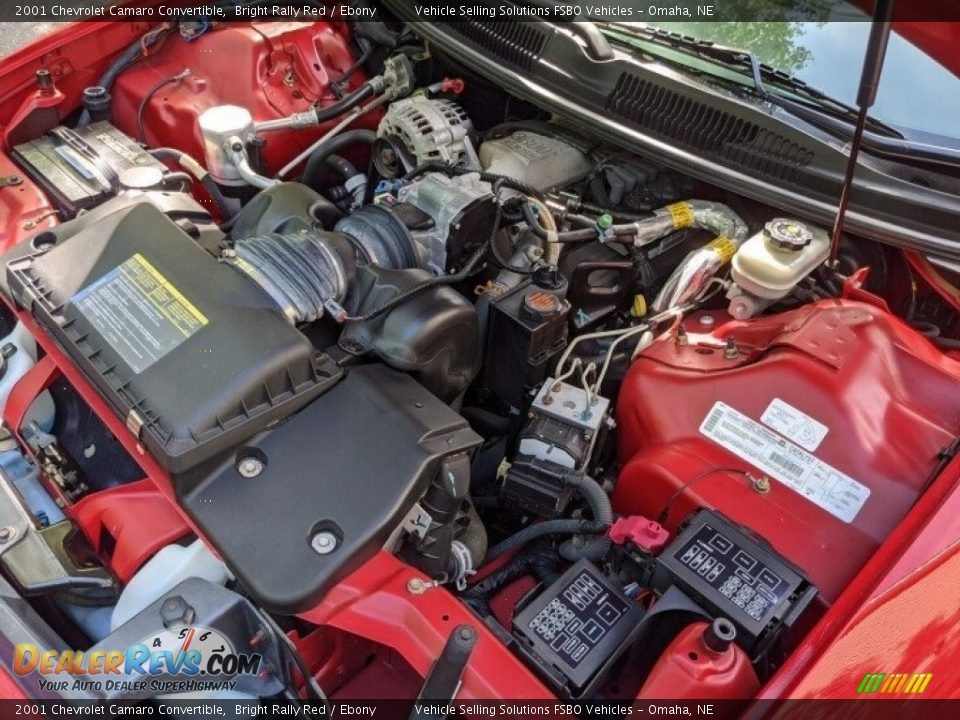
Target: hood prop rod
(866,95)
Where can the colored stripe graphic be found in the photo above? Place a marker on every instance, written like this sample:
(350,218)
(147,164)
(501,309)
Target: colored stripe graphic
(894,683)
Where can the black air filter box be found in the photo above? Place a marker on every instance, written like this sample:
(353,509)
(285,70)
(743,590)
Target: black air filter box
(351,466)
(192,355)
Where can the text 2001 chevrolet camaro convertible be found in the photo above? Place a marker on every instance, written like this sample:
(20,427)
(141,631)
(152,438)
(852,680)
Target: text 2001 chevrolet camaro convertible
(480,359)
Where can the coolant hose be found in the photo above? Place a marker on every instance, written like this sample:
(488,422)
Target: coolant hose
(698,268)
(563,526)
(200,173)
(311,172)
(599,502)
(343,166)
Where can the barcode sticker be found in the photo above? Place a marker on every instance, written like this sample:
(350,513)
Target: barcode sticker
(824,485)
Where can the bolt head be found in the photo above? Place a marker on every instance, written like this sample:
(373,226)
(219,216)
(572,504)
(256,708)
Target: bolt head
(250,467)
(7,533)
(324,542)
(416,586)
(176,611)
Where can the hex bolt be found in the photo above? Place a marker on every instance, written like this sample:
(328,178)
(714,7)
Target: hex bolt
(250,467)
(176,611)
(761,484)
(7,533)
(324,542)
(731,351)
(44,81)
(416,586)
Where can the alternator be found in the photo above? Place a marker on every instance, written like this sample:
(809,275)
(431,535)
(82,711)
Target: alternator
(431,130)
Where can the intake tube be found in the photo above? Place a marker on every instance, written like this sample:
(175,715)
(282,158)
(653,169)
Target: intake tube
(699,267)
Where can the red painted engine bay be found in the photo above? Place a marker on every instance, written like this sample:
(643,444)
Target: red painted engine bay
(753,466)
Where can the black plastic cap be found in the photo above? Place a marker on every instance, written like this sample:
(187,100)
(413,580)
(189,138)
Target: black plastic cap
(788,234)
(719,635)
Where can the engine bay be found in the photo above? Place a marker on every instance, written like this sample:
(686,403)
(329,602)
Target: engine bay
(319,341)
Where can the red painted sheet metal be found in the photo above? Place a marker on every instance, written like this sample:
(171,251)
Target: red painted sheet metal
(24,209)
(890,401)
(272,69)
(375,602)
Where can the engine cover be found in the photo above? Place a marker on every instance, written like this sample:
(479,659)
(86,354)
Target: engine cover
(838,410)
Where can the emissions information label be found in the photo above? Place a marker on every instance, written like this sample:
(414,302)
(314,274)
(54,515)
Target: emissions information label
(794,424)
(138,312)
(823,485)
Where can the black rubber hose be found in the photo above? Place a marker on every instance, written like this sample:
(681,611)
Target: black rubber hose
(126,58)
(584,234)
(311,173)
(213,190)
(591,491)
(348,102)
(567,236)
(618,215)
(185,180)
(350,71)
(196,169)
(325,212)
(946,343)
(145,100)
(343,166)
(543,565)
(564,526)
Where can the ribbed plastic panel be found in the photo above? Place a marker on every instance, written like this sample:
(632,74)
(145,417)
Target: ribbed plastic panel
(516,42)
(697,126)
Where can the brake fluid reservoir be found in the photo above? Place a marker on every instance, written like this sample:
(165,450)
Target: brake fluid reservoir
(769,265)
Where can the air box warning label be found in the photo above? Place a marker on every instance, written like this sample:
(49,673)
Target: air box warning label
(824,485)
(138,312)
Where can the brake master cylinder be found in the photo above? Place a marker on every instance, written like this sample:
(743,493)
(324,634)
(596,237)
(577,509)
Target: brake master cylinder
(770,264)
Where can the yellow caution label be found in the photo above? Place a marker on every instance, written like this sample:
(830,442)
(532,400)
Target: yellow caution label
(724,247)
(639,307)
(163,295)
(682,214)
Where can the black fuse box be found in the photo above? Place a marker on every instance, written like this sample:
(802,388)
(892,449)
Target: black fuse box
(734,575)
(193,356)
(575,630)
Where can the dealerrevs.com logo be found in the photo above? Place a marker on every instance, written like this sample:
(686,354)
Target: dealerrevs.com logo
(180,659)
(894,683)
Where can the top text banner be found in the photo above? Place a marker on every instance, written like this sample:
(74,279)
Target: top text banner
(485,10)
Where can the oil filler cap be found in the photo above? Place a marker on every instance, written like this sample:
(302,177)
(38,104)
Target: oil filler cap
(539,304)
(788,234)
